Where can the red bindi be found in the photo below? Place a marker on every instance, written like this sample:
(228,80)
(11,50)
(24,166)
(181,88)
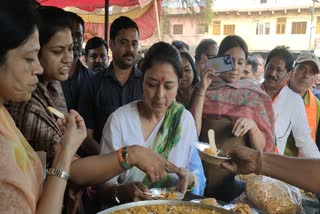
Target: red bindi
(162,79)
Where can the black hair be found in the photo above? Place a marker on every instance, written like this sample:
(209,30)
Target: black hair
(162,52)
(196,76)
(180,44)
(253,61)
(94,43)
(203,47)
(75,18)
(284,54)
(232,41)
(18,21)
(53,19)
(120,23)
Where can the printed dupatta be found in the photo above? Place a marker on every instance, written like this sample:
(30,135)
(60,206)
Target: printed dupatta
(167,138)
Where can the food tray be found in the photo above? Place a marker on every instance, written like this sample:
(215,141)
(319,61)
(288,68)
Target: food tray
(164,202)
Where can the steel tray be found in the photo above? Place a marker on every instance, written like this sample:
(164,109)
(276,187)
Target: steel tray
(160,202)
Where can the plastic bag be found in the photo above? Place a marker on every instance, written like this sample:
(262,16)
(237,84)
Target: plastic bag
(274,196)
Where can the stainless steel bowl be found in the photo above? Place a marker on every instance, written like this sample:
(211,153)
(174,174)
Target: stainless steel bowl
(163,202)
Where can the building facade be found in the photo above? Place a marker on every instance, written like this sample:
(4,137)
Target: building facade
(263,24)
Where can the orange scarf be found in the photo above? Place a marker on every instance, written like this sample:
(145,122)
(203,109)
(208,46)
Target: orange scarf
(311,111)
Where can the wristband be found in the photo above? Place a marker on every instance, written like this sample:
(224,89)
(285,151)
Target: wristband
(59,173)
(122,156)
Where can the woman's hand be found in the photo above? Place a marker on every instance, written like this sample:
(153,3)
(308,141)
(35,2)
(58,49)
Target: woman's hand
(186,179)
(243,125)
(133,192)
(74,132)
(207,76)
(154,165)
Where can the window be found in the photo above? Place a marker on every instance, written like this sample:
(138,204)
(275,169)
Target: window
(216,27)
(259,29)
(202,28)
(228,29)
(177,29)
(165,27)
(263,1)
(299,28)
(263,28)
(318,25)
(281,25)
(267,28)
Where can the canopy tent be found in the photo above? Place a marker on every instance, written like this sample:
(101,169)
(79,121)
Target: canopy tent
(89,5)
(143,12)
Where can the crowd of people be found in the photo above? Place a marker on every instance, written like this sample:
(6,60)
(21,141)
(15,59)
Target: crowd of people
(128,128)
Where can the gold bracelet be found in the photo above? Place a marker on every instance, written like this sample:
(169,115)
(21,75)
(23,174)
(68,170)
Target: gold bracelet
(59,173)
(193,184)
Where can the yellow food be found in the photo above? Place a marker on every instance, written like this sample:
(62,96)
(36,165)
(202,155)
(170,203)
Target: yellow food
(209,151)
(171,195)
(246,178)
(55,112)
(242,209)
(209,201)
(273,196)
(166,209)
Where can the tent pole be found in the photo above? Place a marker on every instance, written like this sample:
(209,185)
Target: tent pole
(106,19)
(157,18)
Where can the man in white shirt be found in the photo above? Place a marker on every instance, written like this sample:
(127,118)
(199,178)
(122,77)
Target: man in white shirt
(289,111)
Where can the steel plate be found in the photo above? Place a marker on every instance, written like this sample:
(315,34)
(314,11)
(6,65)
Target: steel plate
(163,202)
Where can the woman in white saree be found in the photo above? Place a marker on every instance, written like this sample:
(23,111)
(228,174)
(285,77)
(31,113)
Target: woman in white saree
(157,122)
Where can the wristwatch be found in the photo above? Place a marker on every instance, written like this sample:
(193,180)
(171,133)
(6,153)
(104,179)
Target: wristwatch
(115,194)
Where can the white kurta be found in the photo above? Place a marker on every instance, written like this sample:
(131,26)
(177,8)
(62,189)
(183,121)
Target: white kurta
(290,115)
(123,128)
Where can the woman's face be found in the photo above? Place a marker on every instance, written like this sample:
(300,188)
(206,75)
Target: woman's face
(18,74)
(187,79)
(56,56)
(160,87)
(239,62)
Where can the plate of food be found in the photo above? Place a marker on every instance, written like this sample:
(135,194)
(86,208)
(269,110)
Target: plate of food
(164,194)
(209,152)
(165,206)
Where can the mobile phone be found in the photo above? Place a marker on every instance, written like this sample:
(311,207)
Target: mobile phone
(220,64)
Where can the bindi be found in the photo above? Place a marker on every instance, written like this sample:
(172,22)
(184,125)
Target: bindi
(162,79)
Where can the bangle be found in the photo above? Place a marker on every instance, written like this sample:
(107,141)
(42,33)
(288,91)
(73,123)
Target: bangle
(115,194)
(59,173)
(193,183)
(122,157)
(259,163)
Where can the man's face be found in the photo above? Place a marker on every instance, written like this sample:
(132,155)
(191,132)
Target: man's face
(97,59)
(212,51)
(247,73)
(276,74)
(125,48)
(77,36)
(303,77)
(260,71)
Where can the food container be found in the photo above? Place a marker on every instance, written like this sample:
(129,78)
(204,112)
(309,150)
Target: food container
(165,194)
(212,159)
(163,202)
